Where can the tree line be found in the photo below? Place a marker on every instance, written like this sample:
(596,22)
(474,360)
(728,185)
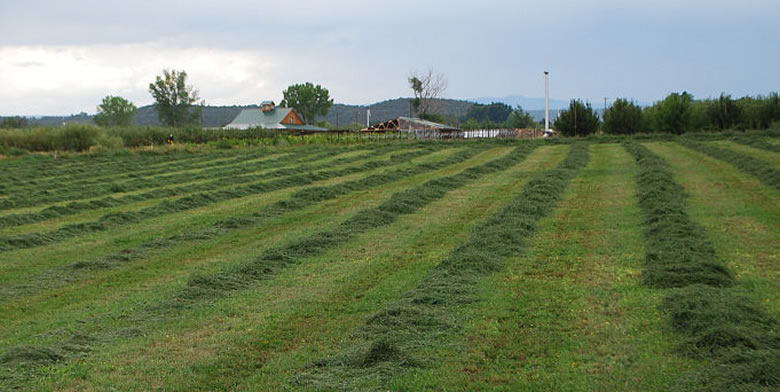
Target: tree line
(177,104)
(677,113)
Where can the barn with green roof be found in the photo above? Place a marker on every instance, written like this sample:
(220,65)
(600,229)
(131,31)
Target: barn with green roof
(268,116)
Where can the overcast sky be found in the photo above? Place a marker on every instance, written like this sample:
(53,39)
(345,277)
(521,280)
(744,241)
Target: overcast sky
(63,57)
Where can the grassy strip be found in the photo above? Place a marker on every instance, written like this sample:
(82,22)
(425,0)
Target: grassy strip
(738,337)
(141,180)
(277,328)
(122,170)
(68,182)
(762,170)
(569,313)
(175,172)
(46,172)
(740,214)
(106,194)
(392,339)
(401,203)
(770,157)
(678,251)
(196,200)
(296,202)
(205,288)
(224,177)
(757,142)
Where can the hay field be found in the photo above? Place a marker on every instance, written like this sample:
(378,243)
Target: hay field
(405,266)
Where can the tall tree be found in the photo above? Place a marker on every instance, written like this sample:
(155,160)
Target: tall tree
(115,111)
(427,88)
(673,114)
(623,117)
(496,112)
(578,120)
(723,112)
(14,122)
(308,100)
(520,119)
(174,99)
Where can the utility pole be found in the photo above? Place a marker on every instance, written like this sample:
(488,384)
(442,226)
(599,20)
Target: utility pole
(546,100)
(604,115)
(368,116)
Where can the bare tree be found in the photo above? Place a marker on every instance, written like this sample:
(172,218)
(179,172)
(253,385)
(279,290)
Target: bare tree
(427,88)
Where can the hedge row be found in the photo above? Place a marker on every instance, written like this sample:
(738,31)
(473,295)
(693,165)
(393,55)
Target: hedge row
(393,338)
(737,337)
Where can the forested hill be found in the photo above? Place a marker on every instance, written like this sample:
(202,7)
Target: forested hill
(217,116)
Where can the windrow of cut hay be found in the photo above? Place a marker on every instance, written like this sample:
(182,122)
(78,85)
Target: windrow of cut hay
(297,201)
(400,203)
(206,180)
(201,288)
(127,169)
(757,142)
(41,170)
(394,338)
(164,176)
(196,200)
(737,337)
(756,167)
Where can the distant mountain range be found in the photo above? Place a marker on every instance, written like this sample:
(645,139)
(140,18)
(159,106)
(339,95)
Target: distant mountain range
(340,115)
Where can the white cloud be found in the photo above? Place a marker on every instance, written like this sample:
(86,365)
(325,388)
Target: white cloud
(72,78)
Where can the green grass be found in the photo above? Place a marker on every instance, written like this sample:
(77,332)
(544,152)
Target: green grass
(570,313)
(772,157)
(762,170)
(166,307)
(398,338)
(468,265)
(723,325)
(286,179)
(741,216)
(322,298)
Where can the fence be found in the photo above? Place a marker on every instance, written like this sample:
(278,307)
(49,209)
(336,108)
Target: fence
(500,133)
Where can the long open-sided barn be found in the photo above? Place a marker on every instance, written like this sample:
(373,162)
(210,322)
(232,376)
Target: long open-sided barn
(409,124)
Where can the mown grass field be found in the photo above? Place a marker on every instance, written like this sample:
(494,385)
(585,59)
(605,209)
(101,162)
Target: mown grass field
(405,266)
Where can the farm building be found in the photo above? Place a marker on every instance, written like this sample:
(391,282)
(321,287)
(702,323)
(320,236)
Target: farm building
(408,124)
(268,116)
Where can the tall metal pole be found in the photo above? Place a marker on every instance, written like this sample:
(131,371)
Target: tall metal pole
(546,101)
(368,116)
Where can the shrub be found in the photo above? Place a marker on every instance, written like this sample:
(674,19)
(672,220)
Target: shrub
(17,152)
(578,120)
(673,114)
(224,144)
(624,117)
